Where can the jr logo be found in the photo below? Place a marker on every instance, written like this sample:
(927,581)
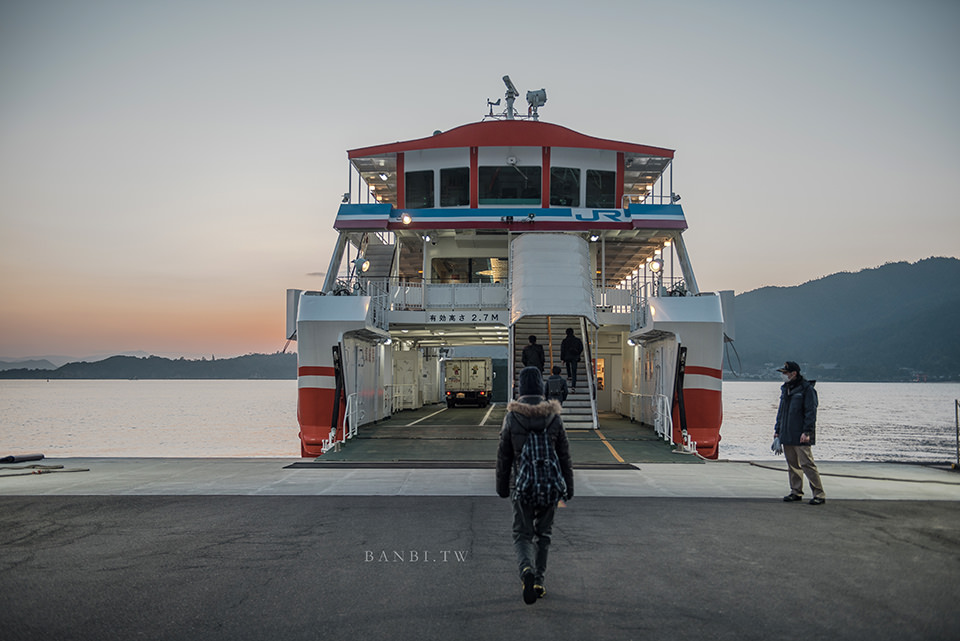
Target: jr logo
(616,215)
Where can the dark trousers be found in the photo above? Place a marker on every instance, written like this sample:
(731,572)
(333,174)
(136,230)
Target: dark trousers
(531,536)
(572,372)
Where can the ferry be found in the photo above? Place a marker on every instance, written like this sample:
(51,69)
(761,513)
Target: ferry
(494,232)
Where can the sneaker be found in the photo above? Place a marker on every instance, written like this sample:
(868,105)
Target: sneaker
(790,498)
(817,501)
(539,590)
(527,577)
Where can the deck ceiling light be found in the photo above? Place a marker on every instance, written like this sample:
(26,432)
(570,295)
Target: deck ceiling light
(631,342)
(656,265)
(362,264)
(405,219)
(594,238)
(383,176)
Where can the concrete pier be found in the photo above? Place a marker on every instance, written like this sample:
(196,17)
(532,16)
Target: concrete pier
(407,550)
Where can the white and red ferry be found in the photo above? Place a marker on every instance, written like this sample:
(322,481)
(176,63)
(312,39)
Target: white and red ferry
(494,231)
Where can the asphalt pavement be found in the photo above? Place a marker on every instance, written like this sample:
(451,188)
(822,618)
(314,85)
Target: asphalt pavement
(242,567)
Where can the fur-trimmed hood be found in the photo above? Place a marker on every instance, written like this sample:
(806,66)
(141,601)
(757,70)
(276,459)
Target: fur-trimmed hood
(542,409)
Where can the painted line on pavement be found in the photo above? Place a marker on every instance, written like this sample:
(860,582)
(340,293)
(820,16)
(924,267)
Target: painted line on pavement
(487,415)
(425,417)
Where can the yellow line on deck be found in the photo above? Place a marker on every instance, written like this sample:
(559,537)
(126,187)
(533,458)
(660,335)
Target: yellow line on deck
(609,447)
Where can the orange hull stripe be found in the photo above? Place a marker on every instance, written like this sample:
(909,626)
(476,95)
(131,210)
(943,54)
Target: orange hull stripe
(308,370)
(703,371)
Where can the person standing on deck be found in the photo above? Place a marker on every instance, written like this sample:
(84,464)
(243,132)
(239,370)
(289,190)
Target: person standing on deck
(533,423)
(532,355)
(570,350)
(796,431)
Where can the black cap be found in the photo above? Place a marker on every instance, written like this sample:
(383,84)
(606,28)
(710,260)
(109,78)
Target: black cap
(789,366)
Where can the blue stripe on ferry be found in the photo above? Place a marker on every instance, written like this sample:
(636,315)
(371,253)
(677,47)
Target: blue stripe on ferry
(376,215)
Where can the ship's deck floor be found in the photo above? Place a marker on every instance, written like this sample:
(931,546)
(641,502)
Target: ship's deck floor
(270,548)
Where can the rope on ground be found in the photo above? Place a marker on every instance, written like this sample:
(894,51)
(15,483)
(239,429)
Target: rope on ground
(40,469)
(856,476)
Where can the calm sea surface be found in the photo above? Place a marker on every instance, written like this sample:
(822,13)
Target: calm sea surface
(857,421)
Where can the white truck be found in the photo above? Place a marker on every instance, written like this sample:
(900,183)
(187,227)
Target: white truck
(468,381)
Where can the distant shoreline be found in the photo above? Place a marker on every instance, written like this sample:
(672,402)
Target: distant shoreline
(278,366)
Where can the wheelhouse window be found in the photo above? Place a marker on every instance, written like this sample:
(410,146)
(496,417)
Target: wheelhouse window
(564,187)
(509,185)
(455,187)
(601,189)
(419,189)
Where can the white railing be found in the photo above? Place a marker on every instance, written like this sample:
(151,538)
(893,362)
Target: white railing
(351,419)
(649,409)
(379,303)
(415,296)
(403,396)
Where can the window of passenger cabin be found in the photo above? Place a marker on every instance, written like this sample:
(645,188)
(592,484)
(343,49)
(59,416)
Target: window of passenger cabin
(564,187)
(601,189)
(469,270)
(419,189)
(455,187)
(509,185)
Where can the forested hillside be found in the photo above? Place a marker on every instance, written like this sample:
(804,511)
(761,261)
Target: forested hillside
(900,321)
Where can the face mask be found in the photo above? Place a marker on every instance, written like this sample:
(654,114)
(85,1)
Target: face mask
(785,377)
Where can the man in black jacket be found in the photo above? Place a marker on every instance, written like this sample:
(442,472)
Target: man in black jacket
(532,355)
(796,431)
(532,525)
(571,348)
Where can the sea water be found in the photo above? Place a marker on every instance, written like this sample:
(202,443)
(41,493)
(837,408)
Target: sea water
(258,418)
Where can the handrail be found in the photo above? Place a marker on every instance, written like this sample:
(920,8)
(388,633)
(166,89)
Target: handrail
(405,295)
(591,373)
(662,411)
(400,394)
(350,422)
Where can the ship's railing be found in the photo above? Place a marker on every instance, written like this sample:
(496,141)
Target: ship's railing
(418,296)
(379,295)
(403,396)
(650,199)
(351,419)
(649,409)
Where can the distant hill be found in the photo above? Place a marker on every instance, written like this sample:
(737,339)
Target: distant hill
(267,366)
(30,364)
(896,322)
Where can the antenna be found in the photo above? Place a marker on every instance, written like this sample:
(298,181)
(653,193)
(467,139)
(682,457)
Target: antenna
(511,95)
(535,100)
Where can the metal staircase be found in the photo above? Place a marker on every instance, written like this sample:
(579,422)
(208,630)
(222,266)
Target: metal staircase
(381,261)
(580,408)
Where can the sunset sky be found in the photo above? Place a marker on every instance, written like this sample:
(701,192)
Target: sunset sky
(169,168)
